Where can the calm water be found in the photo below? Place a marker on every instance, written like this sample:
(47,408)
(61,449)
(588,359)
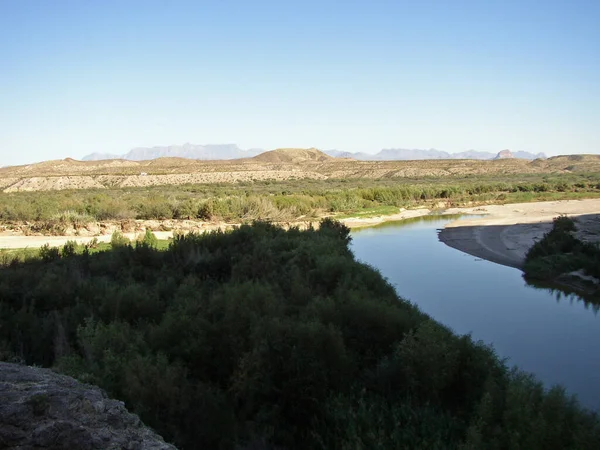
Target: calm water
(557,339)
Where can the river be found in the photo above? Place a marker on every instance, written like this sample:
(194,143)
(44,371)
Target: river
(554,336)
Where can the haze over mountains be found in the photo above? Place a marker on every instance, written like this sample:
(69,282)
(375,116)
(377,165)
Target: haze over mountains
(405,154)
(187,150)
(232,151)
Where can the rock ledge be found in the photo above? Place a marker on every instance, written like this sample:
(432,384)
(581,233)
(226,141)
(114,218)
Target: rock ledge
(42,409)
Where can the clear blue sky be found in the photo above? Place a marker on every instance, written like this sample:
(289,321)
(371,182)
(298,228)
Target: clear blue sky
(87,76)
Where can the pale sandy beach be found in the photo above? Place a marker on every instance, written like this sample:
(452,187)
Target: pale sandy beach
(507,232)
(14,242)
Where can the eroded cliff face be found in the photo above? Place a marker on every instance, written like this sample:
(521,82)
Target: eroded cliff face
(42,409)
(504,154)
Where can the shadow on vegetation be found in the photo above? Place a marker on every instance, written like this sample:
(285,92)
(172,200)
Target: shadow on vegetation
(562,262)
(266,338)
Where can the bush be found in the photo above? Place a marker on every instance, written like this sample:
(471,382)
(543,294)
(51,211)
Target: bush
(73,218)
(48,253)
(149,239)
(93,244)
(69,249)
(118,240)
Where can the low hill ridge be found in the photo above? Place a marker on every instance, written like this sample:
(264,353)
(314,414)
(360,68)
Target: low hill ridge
(293,155)
(276,165)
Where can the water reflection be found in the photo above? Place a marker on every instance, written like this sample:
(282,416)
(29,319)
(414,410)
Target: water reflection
(429,218)
(540,328)
(565,292)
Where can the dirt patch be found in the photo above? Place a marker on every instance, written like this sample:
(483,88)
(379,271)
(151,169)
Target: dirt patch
(54,183)
(6,182)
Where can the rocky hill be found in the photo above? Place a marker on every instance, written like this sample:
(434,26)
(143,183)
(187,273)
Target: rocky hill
(42,409)
(293,156)
(504,154)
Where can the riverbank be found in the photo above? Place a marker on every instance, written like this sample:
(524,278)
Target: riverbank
(503,235)
(506,232)
(165,229)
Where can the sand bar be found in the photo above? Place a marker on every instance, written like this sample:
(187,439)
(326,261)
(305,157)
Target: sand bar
(507,232)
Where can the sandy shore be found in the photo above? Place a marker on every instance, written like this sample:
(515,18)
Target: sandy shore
(8,241)
(503,235)
(14,242)
(507,232)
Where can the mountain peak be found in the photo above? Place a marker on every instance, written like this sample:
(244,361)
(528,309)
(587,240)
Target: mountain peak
(504,154)
(187,150)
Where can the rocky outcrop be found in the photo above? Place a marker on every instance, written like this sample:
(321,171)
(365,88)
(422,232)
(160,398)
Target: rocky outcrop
(42,409)
(504,154)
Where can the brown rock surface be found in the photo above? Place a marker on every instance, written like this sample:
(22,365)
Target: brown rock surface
(42,409)
(504,154)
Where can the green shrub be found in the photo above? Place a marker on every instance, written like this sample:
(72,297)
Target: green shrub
(118,240)
(69,249)
(73,218)
(93,244)
(149,239)
(48,253)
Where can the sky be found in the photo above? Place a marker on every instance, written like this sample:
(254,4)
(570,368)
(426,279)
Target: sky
(85,76)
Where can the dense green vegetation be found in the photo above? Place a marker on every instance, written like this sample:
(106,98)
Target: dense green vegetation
(282,201)
(560,253)
(265,338)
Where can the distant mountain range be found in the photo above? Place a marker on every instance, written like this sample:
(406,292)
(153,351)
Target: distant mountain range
(191,151)
(403,154)
(232,151)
